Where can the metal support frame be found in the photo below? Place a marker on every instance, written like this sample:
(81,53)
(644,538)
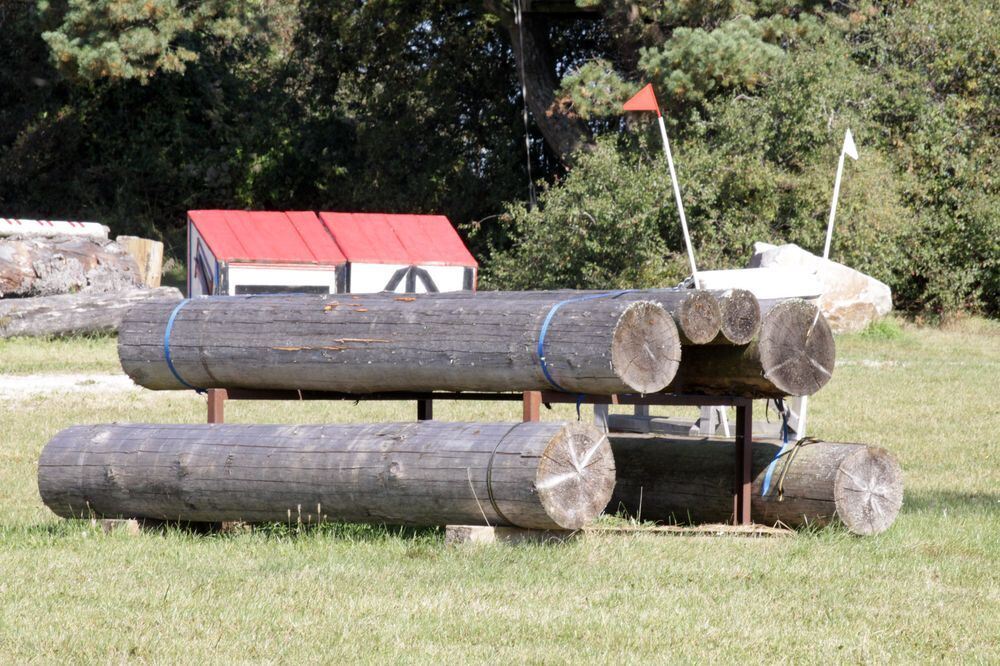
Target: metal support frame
(532,401)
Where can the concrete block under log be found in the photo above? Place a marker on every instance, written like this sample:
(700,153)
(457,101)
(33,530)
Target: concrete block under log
(690,480)
(364,344)
(456,535)
(546,476)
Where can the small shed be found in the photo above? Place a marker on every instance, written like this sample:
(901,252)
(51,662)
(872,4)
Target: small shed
(255,252)
(402,253)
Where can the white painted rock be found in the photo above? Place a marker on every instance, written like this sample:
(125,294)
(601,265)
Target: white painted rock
(850,301)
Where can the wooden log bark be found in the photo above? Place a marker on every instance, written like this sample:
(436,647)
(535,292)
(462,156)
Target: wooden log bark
(793,354)
(690,480)
(695,312)
(364,344)
(73,314)
(740,317)
(148,256)
(533,475)
(63,265)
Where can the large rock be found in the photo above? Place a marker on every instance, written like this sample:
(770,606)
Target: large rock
(851,300)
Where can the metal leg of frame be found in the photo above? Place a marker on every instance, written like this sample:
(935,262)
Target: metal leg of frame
(217,405)
(532,406)
(425,410)
(743,478)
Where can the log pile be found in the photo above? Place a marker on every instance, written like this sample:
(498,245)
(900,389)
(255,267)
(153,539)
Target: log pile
(549,476)
(690,480)
(72,284)
(535,475)
(64,265)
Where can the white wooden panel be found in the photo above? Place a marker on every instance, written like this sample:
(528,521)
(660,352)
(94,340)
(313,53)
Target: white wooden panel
(284,275)
(372,278)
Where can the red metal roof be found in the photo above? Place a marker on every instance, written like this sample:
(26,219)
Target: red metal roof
(398,239)
(259,236)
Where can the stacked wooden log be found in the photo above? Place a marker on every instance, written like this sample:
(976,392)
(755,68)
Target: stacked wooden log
(550,476)
(688,479)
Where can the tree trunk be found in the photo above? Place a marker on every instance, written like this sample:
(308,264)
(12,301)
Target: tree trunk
(64,265)
(696,313)
(365,344)
(793,355)
(690,480)
(533,475)
(740,317)
(73,314)
(563,129)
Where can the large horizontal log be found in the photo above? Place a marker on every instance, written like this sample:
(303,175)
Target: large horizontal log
(793,354)
(73,314)
(688,479)
(696,313)
(371,343)
(534,475)
(64,265)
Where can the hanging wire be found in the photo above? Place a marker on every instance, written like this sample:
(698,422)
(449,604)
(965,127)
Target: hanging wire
(532,200)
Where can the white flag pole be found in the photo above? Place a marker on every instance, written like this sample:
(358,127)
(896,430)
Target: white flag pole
(833,206)
(680,204)
(847,149)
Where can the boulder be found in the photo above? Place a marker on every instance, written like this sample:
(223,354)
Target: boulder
(850,301)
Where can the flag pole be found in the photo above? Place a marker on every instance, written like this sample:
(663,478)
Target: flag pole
(680,204)
(833,206)
(848,149)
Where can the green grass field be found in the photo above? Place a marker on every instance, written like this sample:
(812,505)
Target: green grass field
(927,590)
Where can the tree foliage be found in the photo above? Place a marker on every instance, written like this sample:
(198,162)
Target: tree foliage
(133,111)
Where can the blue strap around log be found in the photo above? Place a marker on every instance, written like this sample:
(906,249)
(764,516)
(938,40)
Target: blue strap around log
(166,346)
(548,320)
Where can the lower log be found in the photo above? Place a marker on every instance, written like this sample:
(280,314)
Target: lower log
(793,354)
(690,480)
(532,475)
(73,314)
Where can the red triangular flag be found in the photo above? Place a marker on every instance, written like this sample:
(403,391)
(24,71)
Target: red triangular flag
(644,100)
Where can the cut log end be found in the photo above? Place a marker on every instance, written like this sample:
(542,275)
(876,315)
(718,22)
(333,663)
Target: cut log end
(699,318)
(646,348)
(868,491)
(576,476)
(740,316)
(797,350)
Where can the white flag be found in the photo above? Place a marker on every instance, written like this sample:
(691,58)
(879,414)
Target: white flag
(849,147)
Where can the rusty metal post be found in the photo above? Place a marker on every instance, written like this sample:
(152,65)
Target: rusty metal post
(743,477)
(425,410)
(217,405)
(532,405)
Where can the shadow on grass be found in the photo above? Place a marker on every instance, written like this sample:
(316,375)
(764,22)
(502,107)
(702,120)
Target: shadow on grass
(348,532)
(935,501)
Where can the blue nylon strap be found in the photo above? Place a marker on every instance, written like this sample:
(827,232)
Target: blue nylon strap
(784,449)
(548,320)
(166,346)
